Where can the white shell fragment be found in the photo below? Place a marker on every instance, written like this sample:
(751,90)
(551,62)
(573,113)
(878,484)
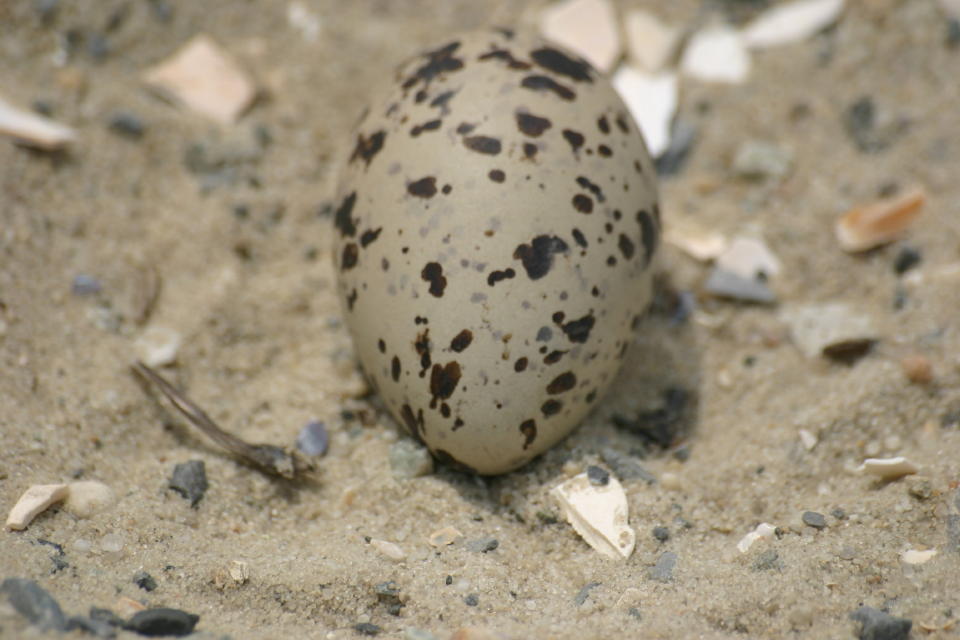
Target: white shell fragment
(749,258)
(204,78)
(650,43)
(888,468)
(700,244)
(763,531)
(158,346)
(239,571)
(34,501)
(808,440)
(443,537)
(815,328)
(880,222)
(915,556)
(716,54)
(389,549)
(87,497)
(651,100)
(598,513)
(791,22)
(32,129)
(587,27)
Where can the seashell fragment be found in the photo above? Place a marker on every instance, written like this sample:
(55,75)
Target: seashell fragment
(32,129)
(598,512)
(588,27)
(791,22)
(763,531)
(888,468)
(33,502)
(880,222)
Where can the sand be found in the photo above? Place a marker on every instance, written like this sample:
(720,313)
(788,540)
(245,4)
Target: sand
(221,234)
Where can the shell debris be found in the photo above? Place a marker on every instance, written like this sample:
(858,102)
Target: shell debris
(764,531)
(32,129)
(598,512)
(650,42)
(588,27)
(716,54)
(880,222)
(652,101)
(791,22)
(206,79)
(34,501)
(888,468)
(445,536)
(916,556)
(389,549)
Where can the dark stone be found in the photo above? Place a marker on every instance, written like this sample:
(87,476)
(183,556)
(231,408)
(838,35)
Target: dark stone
(683,137)
(814,519)
(472,600)
(128,125)
(625,467)
(144,580)
(861,125)
(584,593)
(483,545)
(98,47)
(682,453)
(953,532)
(32,602)
(661,533)
(662,570)
(85,285)
(366,628)
(598,476)
(388,593)
(906,259)
(838,513)
(313,439)
(97,628)
(767,561)
(658,426)
(162,622)
(107,616)
(953,34)
(190,480)
(877,625)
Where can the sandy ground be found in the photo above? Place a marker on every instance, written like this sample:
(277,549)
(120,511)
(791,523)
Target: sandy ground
(239,242)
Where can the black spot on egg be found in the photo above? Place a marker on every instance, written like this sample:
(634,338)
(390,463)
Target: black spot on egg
(342,219)
(553,357)
(505,56)
(579,238)
(537,256)
(496,175)
(603,124)
(368,147)
(349,258)
(593,188)
(429,125)
(438,62)
(574,138)
(529,150)
(497,276)
(520,365)
(433,273)
(582,203)
(465,127)
(648,235)
(482,144)
(532,125)
(577,330)
(444,379)
(395,368)
(551,407)
(548,84)
(529,430)
(369,236)
(562,383)
(423,188)
(626,246)
(558,62)
(461,341)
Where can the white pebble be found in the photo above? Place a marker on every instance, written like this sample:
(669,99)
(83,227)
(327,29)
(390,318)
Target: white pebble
(34,501)
(651,100)
(112,543)
(763,531)
(808,440)
(158,346)
(82,545)
(888,468)
(87,498)
(670,481)
(716,54)
(791,22)
(389,549)
(914,556)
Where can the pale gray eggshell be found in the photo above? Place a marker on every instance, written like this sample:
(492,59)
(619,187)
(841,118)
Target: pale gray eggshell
(494,232)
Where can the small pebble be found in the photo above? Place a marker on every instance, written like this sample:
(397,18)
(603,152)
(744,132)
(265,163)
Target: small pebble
(190,480)
(759,160)
(847,553)
(662,571)
(917,368)
(877,625)
(112,543)
(144,580)
(814,519)
(661,533)
(915,556)
(767,560)
(888,468)
(162,622)
(953,34)
(839,513)
(598,476)
(106,616)
(472,600)
(158,346)
(920,488)
(624,466)
(726,284)
(127,124)
(412,633)
(907,258)
(388,593)
(32,602)
(683,138)
(410,459)
(88,497)
(443,537)
(85,285)
(682,453)
(389,549)
(483,545)
(313,439)
(584,593)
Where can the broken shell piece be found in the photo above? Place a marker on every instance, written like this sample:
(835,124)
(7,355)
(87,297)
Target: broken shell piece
(34,501)
(205,78)
(763,531)
(239,571)
(716,54)
(587,27)
(444,537)
(87,497)
(888,468)
(32,129)
(699,244)
(808,440)
(878,223)
(914,556)
(651,100)
(598,513)
(650,43)
(828,329)
(791,22)
(389,549)
(158,346)
(749,258)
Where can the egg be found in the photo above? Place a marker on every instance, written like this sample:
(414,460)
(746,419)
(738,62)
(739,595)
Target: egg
(495,227)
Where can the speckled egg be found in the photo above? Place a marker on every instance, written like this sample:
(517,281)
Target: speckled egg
(495,227)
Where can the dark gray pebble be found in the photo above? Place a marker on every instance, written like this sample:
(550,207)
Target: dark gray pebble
(682,453)
(105,615)
(839,513)
(127,124)
(907,258)
(877,625)
(814,519)
(683,137)
(85,285)
(726,284)
(98,628)
(861,125)
(953,34)
(190,480)
(144,580)
(953,532)
(32,602)
(98,46)
(584,593)
(598,476)
(472,600)
(661,533)
(313,439)
(634,612)
(366,628)
(483,545)
(388,593)
(625,466)
(662,571)
(162,622)
(768,560)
